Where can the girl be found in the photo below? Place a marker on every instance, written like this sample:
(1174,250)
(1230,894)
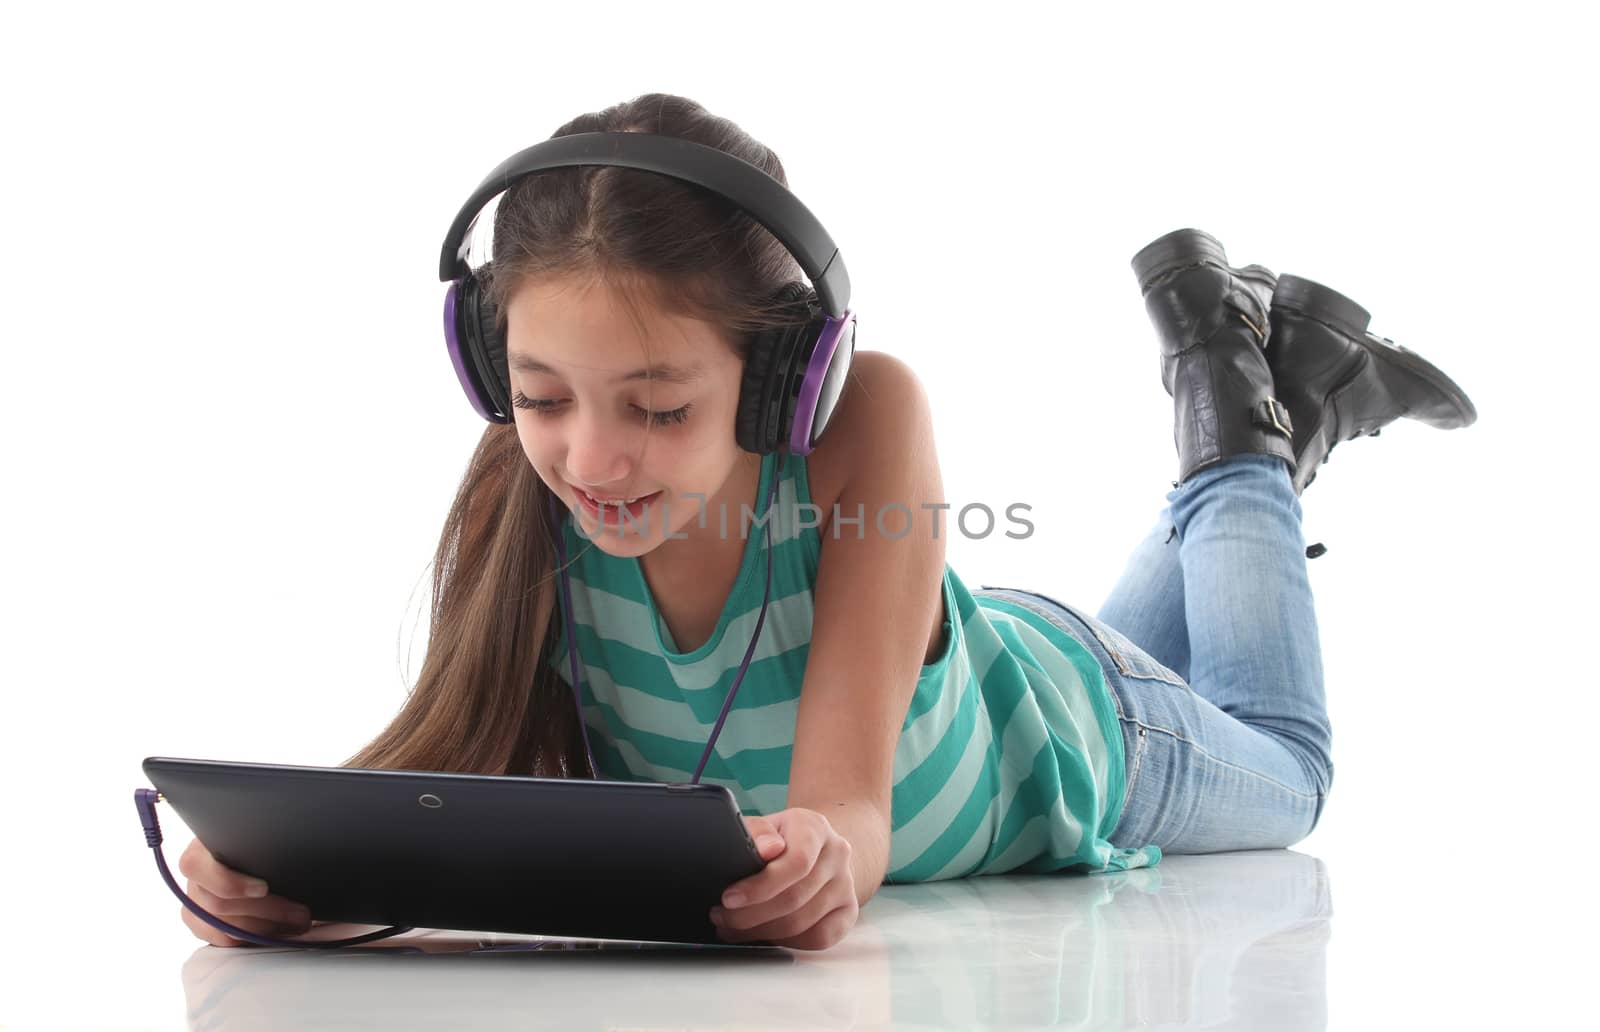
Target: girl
(889,724)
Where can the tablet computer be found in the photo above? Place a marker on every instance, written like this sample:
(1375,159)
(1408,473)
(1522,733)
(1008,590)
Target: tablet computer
(541,856)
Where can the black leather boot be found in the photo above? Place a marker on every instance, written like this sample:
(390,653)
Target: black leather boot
(1340,381)
(1213,322)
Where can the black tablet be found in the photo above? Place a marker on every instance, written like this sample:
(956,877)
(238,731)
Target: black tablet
(541,856)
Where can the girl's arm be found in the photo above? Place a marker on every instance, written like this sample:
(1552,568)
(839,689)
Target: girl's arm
(877,596)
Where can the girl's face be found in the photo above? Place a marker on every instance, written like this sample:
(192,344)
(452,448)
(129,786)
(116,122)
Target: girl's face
(592,424)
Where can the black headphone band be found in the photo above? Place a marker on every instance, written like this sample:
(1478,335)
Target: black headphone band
(756,193)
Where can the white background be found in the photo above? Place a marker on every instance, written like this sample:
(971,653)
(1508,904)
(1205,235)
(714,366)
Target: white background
(232,433)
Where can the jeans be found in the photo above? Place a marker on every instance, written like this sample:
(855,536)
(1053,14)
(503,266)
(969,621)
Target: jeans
(1209,645)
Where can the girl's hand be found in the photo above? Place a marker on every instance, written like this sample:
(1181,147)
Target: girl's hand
(234,897)
(805,898)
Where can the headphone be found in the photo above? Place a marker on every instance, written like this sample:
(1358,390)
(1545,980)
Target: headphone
(793,374)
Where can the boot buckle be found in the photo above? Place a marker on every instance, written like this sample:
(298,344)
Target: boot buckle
(1271,413)
(1258,331)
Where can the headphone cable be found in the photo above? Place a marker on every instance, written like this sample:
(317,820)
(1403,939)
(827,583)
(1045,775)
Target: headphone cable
(145,800)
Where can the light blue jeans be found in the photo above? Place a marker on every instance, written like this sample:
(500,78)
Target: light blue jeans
(1209,645)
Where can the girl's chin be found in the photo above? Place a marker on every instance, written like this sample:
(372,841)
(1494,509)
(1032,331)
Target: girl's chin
(614,542)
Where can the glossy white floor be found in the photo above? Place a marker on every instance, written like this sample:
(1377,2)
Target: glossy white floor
(1231,940)
(1236,939)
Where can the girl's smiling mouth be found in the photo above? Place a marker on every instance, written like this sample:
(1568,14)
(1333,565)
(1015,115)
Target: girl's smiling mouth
(635,510)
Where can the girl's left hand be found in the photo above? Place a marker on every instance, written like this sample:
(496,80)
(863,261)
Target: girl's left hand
(805,898)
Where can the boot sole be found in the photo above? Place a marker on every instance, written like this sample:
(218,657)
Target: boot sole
(1382,349)
(1312,300)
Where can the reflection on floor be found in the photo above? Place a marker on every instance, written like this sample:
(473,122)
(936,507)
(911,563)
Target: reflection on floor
(1231,938)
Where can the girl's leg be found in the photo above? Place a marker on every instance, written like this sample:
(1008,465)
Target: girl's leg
(1147,602)
(1254,648)
(1240,756)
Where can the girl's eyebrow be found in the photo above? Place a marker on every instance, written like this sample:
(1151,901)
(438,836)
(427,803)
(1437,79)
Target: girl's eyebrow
(666,373)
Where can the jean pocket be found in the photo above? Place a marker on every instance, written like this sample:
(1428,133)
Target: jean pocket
(1131,660)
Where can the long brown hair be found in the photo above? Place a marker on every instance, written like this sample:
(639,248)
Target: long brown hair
(487,700)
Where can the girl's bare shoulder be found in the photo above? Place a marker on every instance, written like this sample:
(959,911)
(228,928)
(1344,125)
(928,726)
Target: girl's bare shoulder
(880,397)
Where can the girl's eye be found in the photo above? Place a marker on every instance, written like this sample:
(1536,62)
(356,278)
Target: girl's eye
(546,407)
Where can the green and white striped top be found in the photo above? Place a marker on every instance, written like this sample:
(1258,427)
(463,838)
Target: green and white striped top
(1010,757)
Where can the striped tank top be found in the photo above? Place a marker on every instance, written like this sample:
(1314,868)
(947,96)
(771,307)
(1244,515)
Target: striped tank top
(1010,757)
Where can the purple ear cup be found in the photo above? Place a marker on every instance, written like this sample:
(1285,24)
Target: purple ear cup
(824,382)
(462,364)
(466,354)
(793,376)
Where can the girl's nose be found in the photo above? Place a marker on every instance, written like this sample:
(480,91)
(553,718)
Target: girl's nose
(599,454)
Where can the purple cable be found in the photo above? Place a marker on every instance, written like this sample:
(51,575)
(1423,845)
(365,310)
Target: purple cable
(145,800)
(761,617)
(572,641)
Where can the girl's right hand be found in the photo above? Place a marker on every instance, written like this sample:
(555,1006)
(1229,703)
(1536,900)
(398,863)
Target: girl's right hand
(237,899)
